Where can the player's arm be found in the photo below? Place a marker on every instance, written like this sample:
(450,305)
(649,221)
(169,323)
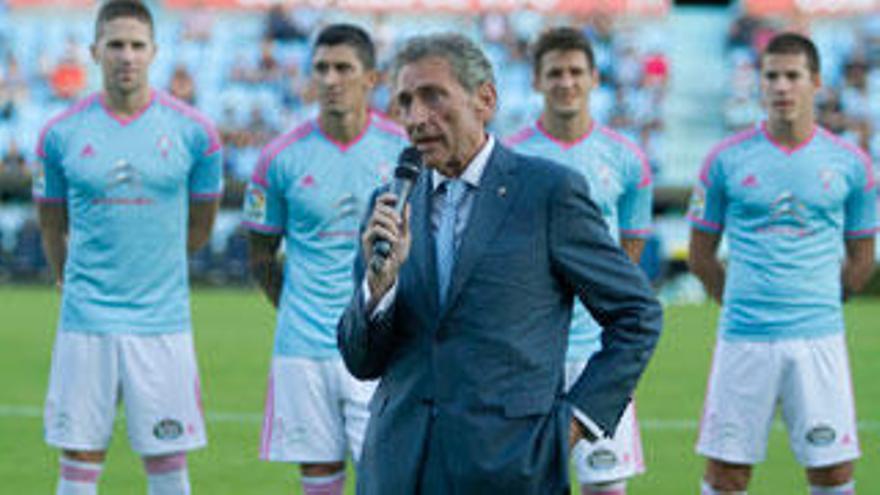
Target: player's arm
(201,221)
(53,226)
(633,246)
(858,264)
(704,263)
(265,265)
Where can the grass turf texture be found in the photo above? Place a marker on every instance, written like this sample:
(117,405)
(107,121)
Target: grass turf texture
(234,340)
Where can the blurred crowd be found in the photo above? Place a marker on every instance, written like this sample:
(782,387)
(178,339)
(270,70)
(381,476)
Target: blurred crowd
(849,103)
(248,72)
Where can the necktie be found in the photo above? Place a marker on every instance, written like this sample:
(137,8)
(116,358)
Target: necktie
(445,236)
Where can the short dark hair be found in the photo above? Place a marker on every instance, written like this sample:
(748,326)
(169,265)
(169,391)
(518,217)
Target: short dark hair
(353,36)
(114,9)
(794,44)
(561,38)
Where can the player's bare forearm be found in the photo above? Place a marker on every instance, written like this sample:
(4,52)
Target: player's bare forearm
(201,222)
(265,266)
(633,246)
(858,264)
(53,227)
(704,263)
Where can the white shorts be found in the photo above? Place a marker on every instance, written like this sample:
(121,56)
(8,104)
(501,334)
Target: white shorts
(315,411)
(808,378)
(155,377)
(608,459)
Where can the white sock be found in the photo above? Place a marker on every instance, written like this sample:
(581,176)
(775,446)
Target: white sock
(706,489)
(78,478)
(167,475)
(613,488)
(333,484)
(844,489)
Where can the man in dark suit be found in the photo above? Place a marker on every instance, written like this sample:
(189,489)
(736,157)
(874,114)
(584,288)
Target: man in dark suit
(466,322)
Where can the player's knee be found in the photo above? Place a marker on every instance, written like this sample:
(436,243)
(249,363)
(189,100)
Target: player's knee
(838,474)
(726,477)
(93,456)
(322,468)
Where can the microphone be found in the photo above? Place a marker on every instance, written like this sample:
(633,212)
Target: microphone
(409,166)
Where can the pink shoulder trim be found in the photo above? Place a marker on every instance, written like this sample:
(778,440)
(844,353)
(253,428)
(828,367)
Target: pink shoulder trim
(519,136)
(647,177)
(275,147)
(190,112)
(860,154)
(723,145)
(384,123)
(73,110)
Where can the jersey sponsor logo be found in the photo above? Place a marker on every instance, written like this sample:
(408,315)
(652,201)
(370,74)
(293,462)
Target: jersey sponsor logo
(255,205)
(348,214)
(821,435)
(168,429)
(787,216)
(88,151)
(125,182)
(602,459)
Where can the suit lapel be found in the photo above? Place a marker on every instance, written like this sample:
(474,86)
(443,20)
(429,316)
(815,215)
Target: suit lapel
(491,205)
(422,255)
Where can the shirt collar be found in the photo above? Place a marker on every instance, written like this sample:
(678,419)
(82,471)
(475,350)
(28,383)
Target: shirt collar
(473,173)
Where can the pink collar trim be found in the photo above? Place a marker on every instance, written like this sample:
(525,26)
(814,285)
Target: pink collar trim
(343,147)
(124,121)
(782,147)
(564,144)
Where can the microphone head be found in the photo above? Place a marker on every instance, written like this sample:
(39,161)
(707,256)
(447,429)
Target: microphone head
(409,164)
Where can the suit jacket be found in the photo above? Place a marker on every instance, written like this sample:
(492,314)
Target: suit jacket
(471,398)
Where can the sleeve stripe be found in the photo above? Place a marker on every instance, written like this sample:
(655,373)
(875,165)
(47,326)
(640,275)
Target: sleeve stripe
(274,148)
(862,233)
(43,199)
(704,223)
(519,137)
(206,196)
(266,229)
(636,232)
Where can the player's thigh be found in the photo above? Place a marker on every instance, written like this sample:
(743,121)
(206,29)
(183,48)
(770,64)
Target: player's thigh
(82,395)
(818,403)
(161,391)
(740,401)
(616,458)
(304,421)
(356,413)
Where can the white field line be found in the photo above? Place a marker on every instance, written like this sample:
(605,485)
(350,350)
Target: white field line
(36,412)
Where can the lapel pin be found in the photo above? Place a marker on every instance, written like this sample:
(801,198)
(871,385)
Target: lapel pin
(502,191)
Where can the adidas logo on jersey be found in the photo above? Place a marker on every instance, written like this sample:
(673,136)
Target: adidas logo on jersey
(87,152)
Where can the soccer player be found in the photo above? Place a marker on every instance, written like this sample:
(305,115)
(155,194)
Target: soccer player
(311,188)
(129,180)
(798,206)
(620,183)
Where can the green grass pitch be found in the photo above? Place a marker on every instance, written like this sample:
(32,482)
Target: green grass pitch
(234,336)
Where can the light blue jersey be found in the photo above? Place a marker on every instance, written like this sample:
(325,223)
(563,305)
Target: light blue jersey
(620,183)
(127,184)
(786,213)
(314,192)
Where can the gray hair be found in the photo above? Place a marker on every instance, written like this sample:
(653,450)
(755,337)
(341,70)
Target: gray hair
(468,62)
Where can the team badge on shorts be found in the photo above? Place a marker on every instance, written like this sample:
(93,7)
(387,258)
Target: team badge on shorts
(168,429)
(602,460)
(821,435)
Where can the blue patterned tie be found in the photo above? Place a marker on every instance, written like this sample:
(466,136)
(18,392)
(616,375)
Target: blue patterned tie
(445,235)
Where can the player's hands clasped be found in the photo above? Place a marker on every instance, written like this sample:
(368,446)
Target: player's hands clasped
(386,224)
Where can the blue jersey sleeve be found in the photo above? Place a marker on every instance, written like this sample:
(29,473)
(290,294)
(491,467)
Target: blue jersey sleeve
(264,201)
(206,175)
(49,184)
(708,202)
(634,205)
(861,204)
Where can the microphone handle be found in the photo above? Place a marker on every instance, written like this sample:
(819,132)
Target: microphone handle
(382,247)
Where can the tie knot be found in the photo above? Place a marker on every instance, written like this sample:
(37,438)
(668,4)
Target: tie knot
(454,190)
